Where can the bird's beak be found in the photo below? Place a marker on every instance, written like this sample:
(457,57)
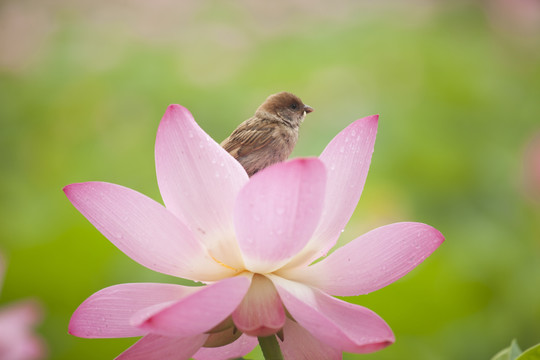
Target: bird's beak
(308,109)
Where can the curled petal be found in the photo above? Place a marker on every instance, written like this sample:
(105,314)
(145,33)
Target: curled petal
(277,211)
(299,344)
(222,338)
(341,325)
(237,349)
(107,313)
(261,312)
(156,347)
(199,181)
(144,230)
(347,158)
(196,313)
(373,260)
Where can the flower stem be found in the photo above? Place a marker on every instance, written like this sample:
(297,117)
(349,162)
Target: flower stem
(270,348)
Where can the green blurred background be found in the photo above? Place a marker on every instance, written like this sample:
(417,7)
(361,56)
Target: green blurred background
(83,85)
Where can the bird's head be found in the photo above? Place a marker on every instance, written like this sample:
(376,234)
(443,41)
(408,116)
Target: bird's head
(286,106)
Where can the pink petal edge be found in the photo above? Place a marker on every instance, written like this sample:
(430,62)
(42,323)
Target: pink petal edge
(347,158)
(196,313)
(372,261)
(156,347)
(299,344)
(199,181)
(107,313)
(144,230)
(237,349)
(341,325)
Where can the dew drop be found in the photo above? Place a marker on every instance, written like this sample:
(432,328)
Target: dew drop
(213,161)
(342,149)
(190,134)
(280,211)
(353,133)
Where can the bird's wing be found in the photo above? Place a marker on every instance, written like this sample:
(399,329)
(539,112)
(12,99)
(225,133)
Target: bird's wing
(246,139)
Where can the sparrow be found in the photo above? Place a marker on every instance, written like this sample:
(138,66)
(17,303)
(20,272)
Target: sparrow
(270,135)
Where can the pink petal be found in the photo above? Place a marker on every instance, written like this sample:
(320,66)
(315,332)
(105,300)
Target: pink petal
(22,314)
(341,325)
(107,313)
(347,158)
(2,271)
(299,344)
(196,313)
(261,312)
(237,349)
(199,181)
(144,230)
(277,211)
(18,339)
(373,260)
(156,347)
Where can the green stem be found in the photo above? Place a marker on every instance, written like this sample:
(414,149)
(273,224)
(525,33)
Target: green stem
(270,348)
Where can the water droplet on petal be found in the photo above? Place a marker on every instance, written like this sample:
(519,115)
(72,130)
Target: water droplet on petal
(280,211)
(342,149)
(190,134)
(353,133)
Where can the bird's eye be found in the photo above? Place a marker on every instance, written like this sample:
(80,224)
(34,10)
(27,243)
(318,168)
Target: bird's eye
(294,106)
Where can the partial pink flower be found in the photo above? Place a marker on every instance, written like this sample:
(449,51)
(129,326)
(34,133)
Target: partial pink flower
(531,173)
(18,340)
(251,241)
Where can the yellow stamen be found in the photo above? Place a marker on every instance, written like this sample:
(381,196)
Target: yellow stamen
(223,264)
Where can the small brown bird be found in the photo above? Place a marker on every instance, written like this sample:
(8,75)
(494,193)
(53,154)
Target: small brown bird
(270,135)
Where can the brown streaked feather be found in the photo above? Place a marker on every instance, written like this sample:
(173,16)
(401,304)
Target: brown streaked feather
(247,138)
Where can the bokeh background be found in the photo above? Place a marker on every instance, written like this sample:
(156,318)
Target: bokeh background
(83,85)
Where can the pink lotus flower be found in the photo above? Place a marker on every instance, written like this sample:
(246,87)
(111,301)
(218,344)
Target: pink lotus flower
(251,241)
(17,338)
(531,168)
